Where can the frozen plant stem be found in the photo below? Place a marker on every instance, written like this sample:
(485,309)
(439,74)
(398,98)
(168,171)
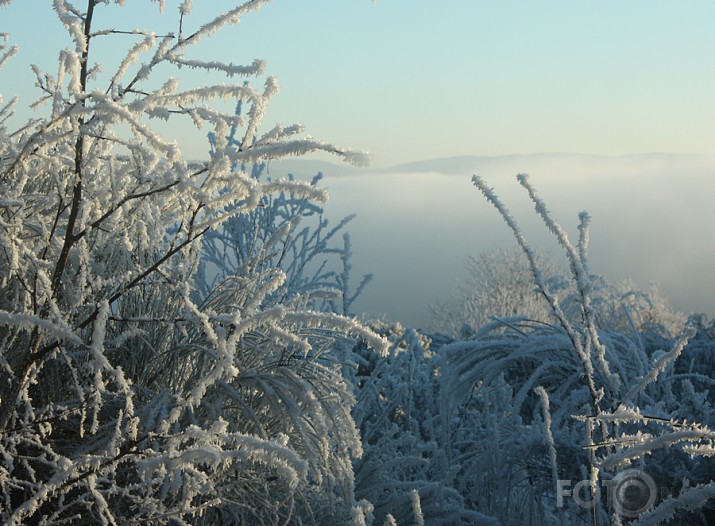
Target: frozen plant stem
(79,147)
(579,266)
(69,238)
(582,351)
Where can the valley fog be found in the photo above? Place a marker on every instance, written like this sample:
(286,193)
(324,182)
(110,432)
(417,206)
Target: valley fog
(652,220)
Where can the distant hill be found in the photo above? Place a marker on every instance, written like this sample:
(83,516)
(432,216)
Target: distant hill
(466,165)
(469,164)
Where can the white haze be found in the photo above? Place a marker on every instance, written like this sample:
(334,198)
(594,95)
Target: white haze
(652,220)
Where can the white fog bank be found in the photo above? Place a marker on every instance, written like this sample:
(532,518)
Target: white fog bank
(652,220)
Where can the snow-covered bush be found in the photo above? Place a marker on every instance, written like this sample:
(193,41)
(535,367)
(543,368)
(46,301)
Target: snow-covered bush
(491,428)
(286,231)
(500,284)
(485,427)
(625,308)
(398,414)
(574,400)
(128,395)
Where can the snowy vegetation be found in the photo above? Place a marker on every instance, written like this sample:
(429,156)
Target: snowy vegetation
(135,387)
(501,284)
(177,346)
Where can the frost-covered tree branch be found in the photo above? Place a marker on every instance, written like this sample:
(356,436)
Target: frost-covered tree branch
(127,395)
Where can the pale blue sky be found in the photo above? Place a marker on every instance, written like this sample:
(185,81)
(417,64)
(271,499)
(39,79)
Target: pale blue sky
(415,79)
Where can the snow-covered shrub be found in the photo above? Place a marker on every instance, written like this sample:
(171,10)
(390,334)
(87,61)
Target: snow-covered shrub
(500,284)
(397,411)
(625,308)
(284,231)
(697,362)
(128,396)
(575,399)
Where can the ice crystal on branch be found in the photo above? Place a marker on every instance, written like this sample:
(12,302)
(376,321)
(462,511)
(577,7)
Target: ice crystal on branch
(128,394)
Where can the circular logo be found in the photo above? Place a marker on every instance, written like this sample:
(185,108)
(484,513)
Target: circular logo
(634,493)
